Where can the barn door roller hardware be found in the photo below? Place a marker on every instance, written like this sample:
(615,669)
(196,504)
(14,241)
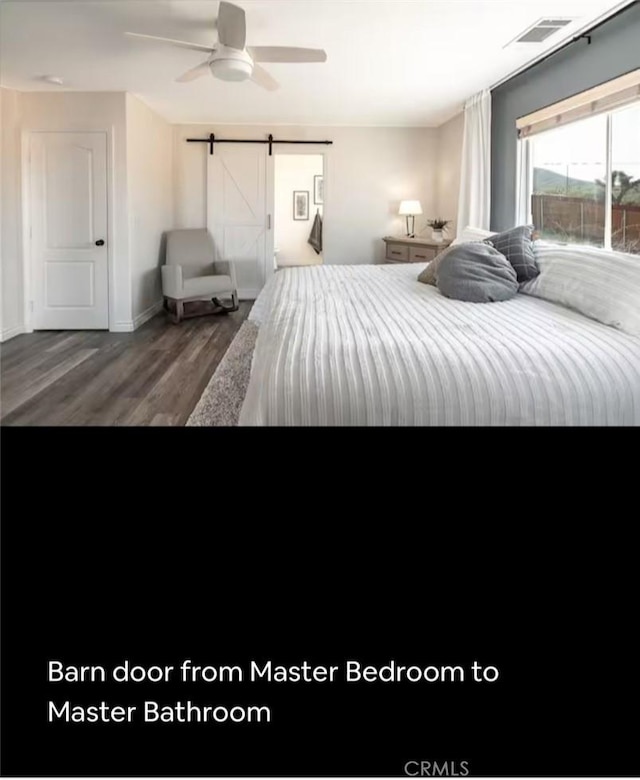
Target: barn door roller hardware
(212,141)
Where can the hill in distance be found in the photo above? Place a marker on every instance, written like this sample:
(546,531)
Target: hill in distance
(549,182)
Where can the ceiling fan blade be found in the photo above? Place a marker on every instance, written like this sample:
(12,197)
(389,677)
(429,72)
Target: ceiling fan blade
(286,54)
(264,79)
(181,44)
(195,73)
(232,26)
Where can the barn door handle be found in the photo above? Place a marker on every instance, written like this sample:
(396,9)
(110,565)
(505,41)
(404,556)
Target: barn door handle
(99,242)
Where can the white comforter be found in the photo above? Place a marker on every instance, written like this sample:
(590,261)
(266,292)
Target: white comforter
(369,345)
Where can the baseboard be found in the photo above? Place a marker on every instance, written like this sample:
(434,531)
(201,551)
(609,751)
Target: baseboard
(9,333)
(128,326)
(119,327)
(131,325)
(122,327)
(148,314)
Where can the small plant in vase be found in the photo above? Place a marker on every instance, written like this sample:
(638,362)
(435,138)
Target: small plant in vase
(438,226)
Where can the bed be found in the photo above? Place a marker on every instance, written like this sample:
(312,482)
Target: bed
(369,345)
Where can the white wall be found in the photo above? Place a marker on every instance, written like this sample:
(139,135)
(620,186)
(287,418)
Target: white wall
(150,183)
(295,172)
(11,295)
(58,111)
(369,171)
(158,182)
(449,165)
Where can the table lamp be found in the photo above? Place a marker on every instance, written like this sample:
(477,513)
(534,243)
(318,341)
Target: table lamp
(410,209)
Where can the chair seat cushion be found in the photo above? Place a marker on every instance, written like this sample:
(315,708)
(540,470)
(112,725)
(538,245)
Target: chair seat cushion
(206,286)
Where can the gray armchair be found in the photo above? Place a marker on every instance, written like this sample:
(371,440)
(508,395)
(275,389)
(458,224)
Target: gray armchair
(190,273)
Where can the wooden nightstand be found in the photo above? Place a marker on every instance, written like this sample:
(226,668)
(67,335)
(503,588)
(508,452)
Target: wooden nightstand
(412,250)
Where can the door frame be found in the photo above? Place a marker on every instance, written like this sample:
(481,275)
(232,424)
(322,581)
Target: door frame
(304,149)
(27,257)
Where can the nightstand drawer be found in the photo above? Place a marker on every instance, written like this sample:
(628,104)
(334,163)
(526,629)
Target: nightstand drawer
(399,253)
(421,254)
(412,250)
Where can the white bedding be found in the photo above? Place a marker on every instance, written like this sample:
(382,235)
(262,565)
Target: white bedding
(369,345)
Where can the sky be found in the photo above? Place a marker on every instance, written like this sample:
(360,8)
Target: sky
(579,150)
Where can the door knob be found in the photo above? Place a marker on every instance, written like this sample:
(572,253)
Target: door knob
(100,242)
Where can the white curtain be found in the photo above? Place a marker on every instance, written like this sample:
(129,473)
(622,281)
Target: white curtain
(523,183)
(474,208)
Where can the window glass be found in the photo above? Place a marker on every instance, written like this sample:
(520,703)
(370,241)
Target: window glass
(569,170)
(625,176)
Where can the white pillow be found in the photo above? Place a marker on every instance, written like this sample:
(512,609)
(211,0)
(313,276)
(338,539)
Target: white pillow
(472,234)
(600,284)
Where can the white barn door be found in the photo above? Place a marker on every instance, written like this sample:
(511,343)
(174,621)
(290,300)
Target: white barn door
(68,213)
(237,212)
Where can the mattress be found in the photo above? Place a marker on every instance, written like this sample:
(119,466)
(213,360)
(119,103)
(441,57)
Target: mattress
(369,345)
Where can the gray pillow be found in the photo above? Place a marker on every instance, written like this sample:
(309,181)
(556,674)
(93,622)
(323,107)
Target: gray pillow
(477,273)
(430,273)
(517,246)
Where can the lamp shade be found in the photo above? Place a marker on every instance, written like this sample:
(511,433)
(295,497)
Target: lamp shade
(410,208)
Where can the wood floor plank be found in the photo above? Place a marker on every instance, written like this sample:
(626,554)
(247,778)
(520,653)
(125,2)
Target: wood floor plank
(44,362)
(66,396)
(163,420)
(154,376)
(18,345)
(36,384)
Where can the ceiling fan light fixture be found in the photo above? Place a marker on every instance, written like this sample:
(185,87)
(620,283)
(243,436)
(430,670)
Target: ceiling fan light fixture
(57,80)
(231,70)
(230,59)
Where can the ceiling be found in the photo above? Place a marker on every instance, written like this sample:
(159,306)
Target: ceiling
(390,62)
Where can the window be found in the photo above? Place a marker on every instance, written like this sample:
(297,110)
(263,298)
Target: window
(579,179)
(625,177)
(568,192)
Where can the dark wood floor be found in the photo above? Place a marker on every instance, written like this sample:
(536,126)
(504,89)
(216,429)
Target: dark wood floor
(154,376)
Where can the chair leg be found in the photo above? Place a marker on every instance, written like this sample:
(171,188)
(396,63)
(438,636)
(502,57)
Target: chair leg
(179,312)
(224,309)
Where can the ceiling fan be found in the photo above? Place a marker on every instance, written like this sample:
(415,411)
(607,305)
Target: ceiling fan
(231,59)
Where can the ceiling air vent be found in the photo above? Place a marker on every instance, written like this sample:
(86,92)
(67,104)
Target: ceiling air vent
(541,30)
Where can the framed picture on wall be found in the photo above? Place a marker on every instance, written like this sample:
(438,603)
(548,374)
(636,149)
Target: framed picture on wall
(318,190)
(300,205)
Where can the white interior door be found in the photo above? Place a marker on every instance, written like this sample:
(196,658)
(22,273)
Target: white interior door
(68,213)
(237,212)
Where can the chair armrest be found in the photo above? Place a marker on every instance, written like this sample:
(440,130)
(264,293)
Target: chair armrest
(172,286)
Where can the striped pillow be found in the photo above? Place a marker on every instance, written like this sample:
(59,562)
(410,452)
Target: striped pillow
(517,246)
(600,284)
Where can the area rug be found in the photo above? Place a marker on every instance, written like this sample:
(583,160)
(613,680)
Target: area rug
(222,400)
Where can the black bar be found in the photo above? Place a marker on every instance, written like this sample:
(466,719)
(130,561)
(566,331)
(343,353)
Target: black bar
(211,140)
(224,141)
(324,143)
